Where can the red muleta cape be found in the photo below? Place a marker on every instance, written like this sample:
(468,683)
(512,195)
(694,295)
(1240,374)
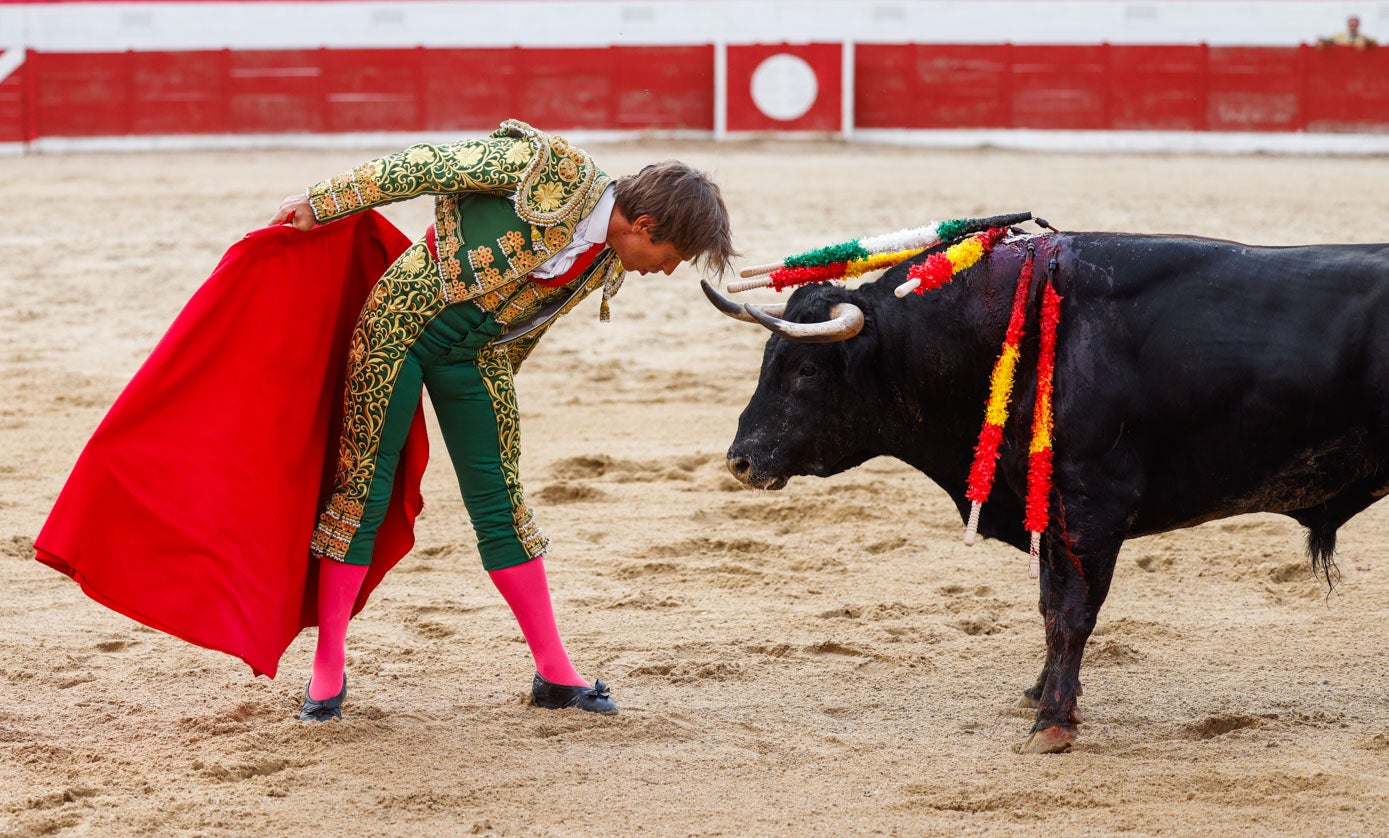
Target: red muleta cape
(192,506)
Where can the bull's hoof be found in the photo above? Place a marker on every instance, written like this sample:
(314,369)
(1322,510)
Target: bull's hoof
(1027,702)
(1048,740)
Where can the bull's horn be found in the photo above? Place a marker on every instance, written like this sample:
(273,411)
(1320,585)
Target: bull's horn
(738,311)
(846,320)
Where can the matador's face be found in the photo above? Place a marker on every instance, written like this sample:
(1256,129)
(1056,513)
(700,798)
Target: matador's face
(639,253)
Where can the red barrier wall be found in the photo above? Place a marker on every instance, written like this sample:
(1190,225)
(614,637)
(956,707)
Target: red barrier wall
(1346,90)
(622,88)
(342,90)
(1124,88)
(896,86)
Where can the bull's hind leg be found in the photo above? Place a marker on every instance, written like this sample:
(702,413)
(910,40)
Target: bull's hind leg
(1076,576)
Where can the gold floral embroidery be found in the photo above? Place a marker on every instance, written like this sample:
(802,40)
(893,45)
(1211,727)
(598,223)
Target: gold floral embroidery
(519,154)
(407,296)
(530,167)
(495,367)
(494,164)
(523,302)
(548,196)
(413,260)
(568,170)
(524,262)
(511,241)
(468,156)
(371,192)
(481,257)
(518,350)
(447,241)
(557,237)
(491,300)
(573,198)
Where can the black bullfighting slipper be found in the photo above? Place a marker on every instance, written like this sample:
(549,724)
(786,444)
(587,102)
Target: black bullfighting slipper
(325,710)
(594,699)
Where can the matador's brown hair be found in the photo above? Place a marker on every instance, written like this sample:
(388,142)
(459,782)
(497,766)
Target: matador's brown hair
(688,209)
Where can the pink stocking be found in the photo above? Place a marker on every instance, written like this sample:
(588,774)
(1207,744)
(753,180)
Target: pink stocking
(525,589)
(338,584)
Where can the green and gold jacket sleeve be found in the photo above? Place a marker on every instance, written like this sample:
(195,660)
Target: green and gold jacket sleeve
(493,164)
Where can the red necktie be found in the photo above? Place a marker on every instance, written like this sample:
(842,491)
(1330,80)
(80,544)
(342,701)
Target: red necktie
(580,265)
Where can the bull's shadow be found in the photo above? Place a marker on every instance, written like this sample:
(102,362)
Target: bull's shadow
(1195,379)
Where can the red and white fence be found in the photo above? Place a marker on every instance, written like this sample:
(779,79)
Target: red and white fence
(218,73)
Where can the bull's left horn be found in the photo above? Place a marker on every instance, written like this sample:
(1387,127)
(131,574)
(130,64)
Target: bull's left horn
(846,320)
(738,311)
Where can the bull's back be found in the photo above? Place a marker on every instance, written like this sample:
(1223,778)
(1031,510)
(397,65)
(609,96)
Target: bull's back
(1239,375)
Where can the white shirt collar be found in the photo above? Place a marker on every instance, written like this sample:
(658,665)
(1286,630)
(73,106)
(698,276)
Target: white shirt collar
(594,228)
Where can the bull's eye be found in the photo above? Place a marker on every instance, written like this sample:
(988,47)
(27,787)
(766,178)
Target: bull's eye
(807,370)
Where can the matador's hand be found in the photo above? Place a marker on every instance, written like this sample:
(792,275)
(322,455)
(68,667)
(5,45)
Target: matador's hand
(296,210)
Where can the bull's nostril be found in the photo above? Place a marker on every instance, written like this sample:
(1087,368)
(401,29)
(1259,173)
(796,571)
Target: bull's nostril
(739,466)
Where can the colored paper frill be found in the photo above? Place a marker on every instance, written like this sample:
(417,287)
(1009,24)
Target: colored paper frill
(940,268)
(1038,507)
(851,259)
(981,473)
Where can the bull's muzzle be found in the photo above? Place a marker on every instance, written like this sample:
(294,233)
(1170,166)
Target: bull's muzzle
(741,468)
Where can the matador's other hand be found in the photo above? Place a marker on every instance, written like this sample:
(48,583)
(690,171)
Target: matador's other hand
(296,210)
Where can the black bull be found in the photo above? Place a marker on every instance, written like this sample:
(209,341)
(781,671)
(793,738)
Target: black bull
(1195,379)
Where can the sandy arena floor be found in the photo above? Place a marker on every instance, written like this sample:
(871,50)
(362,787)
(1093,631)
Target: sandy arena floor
(826,660)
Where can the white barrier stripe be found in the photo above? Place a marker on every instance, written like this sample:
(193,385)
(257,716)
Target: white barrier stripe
(1133,142)
(846,90)
(10,60)
(359,24)
(1178,142)
(720,90)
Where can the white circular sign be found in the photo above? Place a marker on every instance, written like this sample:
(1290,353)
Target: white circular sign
(784,86)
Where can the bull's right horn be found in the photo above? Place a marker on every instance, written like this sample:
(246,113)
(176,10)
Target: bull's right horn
(846,320)
(738,311)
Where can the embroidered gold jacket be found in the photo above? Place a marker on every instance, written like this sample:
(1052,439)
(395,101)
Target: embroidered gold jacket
(550,186)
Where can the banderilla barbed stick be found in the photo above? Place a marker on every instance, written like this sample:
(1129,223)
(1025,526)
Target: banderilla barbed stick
(755,276)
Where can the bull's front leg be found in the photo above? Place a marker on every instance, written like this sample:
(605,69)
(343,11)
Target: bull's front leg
(1077,570)
(1032,696)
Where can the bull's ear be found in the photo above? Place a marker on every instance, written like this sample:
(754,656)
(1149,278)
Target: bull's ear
(861,361)
(846,320)
(738,311)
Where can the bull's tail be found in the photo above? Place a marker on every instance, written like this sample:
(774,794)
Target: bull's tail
(1321,546)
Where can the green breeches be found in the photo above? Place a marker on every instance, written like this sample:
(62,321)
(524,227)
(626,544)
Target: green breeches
(470,386)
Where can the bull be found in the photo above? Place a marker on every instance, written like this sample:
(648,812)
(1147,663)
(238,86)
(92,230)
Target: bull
(1195,379)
